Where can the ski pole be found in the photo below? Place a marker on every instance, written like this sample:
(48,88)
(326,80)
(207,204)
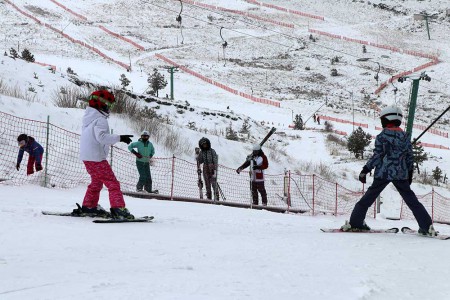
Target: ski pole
(429,126)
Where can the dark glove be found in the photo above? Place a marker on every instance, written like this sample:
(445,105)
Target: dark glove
(238,170)
(18,167)
(138,155)
(197,150)
(125,138)
(39,167)
(256,167)
(363,174)
(410,176)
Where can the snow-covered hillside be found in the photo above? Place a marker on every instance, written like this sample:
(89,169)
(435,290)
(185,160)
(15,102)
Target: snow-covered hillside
(283,51)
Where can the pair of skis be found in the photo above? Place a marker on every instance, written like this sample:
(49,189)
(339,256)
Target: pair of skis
(101,220)
(405,230)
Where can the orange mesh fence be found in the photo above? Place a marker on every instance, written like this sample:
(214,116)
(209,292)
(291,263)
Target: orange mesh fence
(437,206)
(177,178)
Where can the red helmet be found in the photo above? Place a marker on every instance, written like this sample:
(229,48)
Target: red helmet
(101,99)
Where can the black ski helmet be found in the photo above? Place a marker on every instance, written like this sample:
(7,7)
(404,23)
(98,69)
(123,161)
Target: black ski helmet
(204,142)
(22,137)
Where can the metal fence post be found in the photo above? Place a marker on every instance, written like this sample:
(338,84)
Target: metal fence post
(46,152)
(432,205)
(173,177)
(313,194)
(336,205)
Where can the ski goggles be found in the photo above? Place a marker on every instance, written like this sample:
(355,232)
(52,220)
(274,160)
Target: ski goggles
(103,100)
(22,143)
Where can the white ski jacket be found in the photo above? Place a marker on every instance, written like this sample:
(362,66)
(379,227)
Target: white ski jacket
(95,137)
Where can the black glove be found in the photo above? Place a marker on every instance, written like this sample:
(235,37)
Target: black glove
(410,176)
(238,170)
(125,138)
(197,150)
(256,167)
(18,167)
(39,167)
(138,155)
(363,174)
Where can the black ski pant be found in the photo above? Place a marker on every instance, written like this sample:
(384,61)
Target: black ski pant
(402,186)
(210,181)
(145,177)
(259,187)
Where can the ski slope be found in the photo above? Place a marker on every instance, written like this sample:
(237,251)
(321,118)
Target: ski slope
(194,251)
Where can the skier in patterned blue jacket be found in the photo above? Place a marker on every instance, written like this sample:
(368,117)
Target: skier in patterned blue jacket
(393,162)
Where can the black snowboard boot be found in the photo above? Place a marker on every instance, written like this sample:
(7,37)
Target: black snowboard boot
(121,213)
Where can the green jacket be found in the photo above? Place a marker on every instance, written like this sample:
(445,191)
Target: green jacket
(145,149)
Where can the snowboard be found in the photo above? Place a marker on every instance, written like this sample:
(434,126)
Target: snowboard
(136,220)
(338,230)
(408,230)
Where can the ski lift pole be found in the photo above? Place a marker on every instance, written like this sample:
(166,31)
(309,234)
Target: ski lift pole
(412,106)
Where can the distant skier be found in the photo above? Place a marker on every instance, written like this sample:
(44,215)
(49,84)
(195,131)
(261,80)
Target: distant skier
(318,119)
(315,118)
(34,149)
(393,162)
(208,157)
(259,161)
(95,142)
(144,153)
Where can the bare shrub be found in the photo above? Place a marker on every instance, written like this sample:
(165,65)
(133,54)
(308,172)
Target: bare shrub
(424,178)
(125,104)
(321,169)
(337,140)
(275,152)
(17,92)
(69,96)
(163,134)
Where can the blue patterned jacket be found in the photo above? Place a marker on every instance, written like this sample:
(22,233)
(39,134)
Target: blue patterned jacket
(392,157)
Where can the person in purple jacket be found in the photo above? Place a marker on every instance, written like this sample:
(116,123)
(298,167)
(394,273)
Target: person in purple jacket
(34,149)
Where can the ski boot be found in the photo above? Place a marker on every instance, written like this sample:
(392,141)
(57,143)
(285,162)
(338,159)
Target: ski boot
(84,211)
(121,213)
(348,227)
(431,231)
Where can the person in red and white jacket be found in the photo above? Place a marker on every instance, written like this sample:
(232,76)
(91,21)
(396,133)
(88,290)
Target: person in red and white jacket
(260,163)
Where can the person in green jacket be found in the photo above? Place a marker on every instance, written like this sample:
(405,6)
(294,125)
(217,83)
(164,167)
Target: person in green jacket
(144,153)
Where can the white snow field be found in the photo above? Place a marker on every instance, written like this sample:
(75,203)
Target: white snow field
(197,251)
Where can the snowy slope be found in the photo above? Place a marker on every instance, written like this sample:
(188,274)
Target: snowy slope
(194,251)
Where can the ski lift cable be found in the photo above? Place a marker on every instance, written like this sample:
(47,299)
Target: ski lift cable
(265,39)
(280,33)
(218,26)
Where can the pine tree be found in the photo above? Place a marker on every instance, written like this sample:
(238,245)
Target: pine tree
(358,141)
(419,156)
(231,134)
(124,81)
(26,55)
(13,53)
(298,123)
(437,175)
(157,81)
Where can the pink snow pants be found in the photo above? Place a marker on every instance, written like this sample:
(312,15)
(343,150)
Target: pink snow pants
(102,174)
